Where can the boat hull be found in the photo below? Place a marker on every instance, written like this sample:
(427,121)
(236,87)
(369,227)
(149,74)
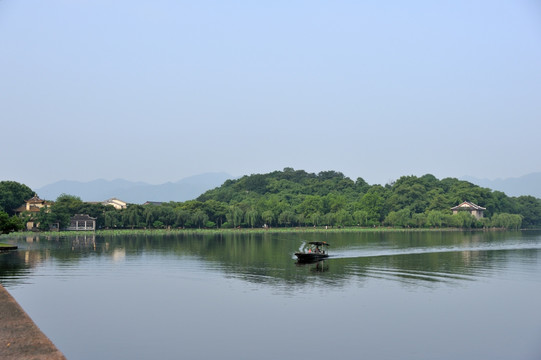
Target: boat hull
(310,257)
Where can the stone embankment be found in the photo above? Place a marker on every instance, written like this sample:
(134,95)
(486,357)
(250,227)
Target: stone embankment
(20,338)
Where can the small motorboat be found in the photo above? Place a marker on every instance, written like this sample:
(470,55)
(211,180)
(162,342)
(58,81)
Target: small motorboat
(316,252)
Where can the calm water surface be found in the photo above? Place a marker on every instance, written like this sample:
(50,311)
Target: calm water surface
(430,295)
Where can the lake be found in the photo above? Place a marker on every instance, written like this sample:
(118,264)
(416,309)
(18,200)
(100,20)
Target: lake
(382,295)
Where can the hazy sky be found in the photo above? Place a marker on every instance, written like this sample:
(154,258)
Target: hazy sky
(160,90)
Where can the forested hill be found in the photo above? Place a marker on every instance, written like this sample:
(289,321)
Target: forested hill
(297,197)
(286,183)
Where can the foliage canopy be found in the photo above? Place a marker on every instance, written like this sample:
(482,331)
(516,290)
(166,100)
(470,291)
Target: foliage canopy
(13,195)
(298,198)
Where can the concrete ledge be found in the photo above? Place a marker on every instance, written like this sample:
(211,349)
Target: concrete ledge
(20,338)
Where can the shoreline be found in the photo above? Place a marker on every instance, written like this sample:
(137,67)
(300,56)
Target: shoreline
(7,247)
(121,232)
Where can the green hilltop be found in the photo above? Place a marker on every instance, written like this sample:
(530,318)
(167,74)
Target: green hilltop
(295,197)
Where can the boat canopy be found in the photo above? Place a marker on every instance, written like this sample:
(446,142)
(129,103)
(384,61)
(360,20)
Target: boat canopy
(318,243)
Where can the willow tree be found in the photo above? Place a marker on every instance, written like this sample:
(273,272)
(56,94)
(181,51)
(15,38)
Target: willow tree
(251,217)
(235,215)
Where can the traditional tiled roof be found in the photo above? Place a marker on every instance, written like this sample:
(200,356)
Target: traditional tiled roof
(35,199)
(466,205)
(33,205)
(20,209)
(82,217)
(155,203)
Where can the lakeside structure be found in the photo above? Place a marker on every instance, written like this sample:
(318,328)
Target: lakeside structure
(78,222)
(32,206)
(82,222)
(474,209)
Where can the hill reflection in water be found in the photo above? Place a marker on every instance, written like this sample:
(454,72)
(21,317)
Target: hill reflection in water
(268,258)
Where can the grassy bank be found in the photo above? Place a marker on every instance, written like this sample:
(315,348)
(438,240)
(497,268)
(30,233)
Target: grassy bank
(7,247)
(124,232)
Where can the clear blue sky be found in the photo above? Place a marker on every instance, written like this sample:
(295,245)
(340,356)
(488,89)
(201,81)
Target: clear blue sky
(156,91)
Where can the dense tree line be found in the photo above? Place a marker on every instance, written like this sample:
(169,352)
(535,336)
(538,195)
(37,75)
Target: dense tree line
(12,195)
(296,198)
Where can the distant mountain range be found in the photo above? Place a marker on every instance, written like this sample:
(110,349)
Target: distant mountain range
(191,187)
(525,185)
(135,192)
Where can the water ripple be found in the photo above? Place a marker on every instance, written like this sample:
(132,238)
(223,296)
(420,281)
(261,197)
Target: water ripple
(376,252)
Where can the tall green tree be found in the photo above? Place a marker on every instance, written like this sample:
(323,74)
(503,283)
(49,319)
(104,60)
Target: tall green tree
(112,219)
(235,215)
(507,221)
(373,203)
(361,217)
(316,218)
(435,218)
(10,223)
(132,216)
(200,218)
(343,218)
(268,217)
(287,218)
(530,209)
(49,217)
(60,212)
(68,203)
(251,217)
(13,195)
(401,218)
(216,210)
(182,217)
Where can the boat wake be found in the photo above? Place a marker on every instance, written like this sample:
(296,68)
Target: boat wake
(377,252)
